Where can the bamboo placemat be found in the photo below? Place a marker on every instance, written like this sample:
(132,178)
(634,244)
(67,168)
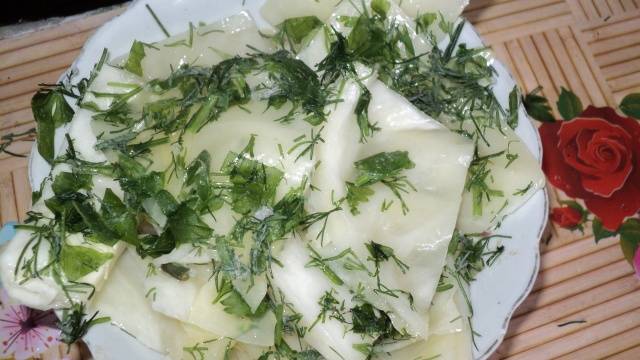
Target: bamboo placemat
(589,46)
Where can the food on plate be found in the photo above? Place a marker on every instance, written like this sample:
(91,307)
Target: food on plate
(324,189)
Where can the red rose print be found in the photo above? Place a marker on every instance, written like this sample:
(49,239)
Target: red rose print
(566,216)
(596,157)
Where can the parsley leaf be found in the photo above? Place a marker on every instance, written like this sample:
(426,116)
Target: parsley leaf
(134,61)
(424,22)
(253,184)
(50,110)
(293,31)
(380,7)
(78,261)
(234,304)
(186,227)
(117,216)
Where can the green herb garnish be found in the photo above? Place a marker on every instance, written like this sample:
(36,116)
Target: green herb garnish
(385,168)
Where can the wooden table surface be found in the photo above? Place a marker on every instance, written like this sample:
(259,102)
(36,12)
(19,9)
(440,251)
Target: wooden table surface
(589,46)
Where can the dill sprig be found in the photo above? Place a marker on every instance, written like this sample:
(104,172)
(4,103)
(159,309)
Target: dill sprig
(471,254)
(308,145)
(75,324)
(385,168)
(478,180)
(9,139)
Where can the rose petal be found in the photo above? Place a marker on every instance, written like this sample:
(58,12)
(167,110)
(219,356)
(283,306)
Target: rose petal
(613,210)
(558,172)
(566,216)
(630,125)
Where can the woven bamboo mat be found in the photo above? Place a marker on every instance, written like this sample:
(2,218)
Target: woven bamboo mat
(589,46)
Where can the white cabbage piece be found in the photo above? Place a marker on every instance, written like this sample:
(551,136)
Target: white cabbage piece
(242,351)
(517,179)
(84,138)
(213,318)
(109,80)
(444,314)
(45,292)
(124,300)
(39,293)
(209,45)
(277,11)
(445,317)
(161,290)
(449,337)
(303,287)
(420,238)
(453,346)
(450,9)
(203,345)
(317,48)
(232,131)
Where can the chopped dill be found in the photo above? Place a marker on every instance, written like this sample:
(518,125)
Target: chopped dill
(157,20)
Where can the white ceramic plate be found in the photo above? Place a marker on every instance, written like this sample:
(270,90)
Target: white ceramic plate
(498,289)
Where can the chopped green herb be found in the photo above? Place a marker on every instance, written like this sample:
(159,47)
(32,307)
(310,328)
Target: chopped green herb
(74,324)
(293,31)
(50,110)
(478,180)
(234,304)
(424,22)
(253,184)
(176,270)
(514,103)
(78,261)
(380,7)
(134,61)
(362,114)
(524,190)
(386,168)
(157,20)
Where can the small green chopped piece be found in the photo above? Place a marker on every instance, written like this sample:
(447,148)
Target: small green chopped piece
(186,227)
(385,168)
(176,270)
(380,7)
(424,22)
(117,216)
(68,182)
(78,261)
(134,61)
(293,31)
(362,115)
(50,110)
(253,183)
(234,304)
(514,103)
